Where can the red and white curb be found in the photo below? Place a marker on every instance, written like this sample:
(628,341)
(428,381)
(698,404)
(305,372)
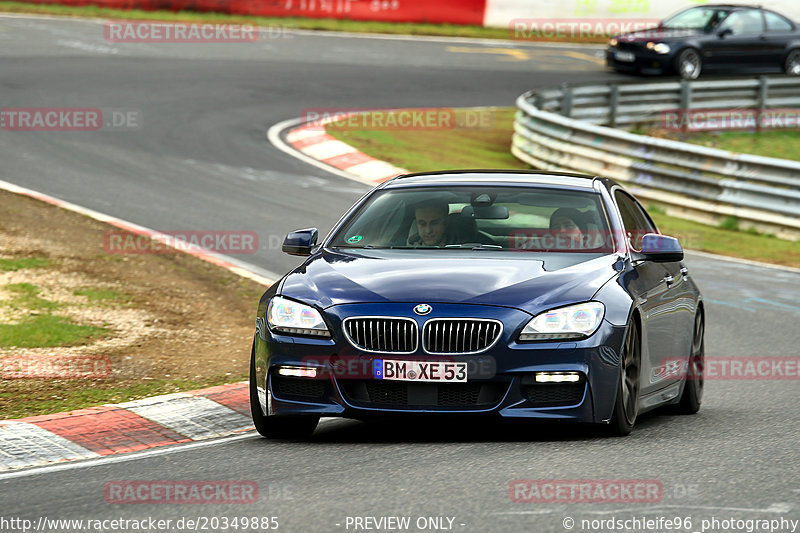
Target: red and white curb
(310,143)
(125,427)
(131,426)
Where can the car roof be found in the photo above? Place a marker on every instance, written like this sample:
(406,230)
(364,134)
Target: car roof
(509,177)
(731,6)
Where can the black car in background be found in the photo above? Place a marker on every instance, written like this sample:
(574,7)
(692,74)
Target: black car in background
(710,38)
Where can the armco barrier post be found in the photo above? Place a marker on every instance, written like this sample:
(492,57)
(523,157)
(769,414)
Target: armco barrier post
(613,103)
(566,100)
(686,100)
(763,94)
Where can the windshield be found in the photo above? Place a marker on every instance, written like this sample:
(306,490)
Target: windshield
(483,218)
(697,18)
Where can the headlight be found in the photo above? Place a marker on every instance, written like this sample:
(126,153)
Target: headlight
(612,43)
(571,322)
(294,318)
(659,48)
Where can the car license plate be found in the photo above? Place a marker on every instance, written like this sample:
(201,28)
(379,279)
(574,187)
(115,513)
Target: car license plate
(626,57)
(447,371)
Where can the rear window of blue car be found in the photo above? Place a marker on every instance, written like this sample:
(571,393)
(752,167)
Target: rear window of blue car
(492,217)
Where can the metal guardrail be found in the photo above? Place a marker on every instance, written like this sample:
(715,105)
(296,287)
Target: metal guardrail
(565,129)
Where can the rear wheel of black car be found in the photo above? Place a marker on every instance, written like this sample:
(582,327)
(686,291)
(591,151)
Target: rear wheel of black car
(689,64)
(792,64)
(277,427)
(626,408)
(693,389)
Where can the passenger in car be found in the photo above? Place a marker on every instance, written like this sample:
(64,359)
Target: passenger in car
(568,225)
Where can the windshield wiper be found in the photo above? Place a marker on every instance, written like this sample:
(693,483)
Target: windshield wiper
(475,246)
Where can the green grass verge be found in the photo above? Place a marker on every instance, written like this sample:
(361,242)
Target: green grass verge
(443,30)
(47,331)
(489,148)
(730,242)
(777,143)
(41,329)
(102,296)
(463,146)
(48,396)
(26,296)
(12,265)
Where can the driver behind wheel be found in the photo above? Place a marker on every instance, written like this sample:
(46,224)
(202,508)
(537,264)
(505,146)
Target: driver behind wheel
(431,221)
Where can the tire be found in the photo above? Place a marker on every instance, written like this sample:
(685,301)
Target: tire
(626,408)
(689,65)
(277,427)
(692,395)
(792,64)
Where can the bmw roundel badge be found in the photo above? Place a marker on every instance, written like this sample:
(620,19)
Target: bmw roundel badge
(423,309)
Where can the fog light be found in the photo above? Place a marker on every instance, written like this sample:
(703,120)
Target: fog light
(558,377)
(297,371)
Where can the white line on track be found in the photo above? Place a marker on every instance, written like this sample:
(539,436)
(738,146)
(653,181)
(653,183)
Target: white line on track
(122,458)
(134,456)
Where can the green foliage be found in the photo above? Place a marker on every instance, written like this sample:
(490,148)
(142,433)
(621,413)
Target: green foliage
(47,330)
(23,262)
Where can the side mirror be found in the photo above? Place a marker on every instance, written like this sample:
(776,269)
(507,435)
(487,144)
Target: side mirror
(300,242)
(724,33)
(661,248)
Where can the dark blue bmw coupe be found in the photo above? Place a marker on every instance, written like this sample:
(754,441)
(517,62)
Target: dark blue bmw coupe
(520,295)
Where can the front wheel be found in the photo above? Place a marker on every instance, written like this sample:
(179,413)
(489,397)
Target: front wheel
(277,427)
(689,64)
(693,388)
(626,408)
(792,64)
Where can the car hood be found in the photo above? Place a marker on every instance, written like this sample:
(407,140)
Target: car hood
(437,276)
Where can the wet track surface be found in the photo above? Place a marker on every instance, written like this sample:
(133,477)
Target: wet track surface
(201,161)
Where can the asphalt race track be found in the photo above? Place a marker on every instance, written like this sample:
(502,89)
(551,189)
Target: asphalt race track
(200,160)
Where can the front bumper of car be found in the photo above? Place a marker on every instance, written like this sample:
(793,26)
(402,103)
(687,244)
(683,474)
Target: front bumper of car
(644,61)
(500,382)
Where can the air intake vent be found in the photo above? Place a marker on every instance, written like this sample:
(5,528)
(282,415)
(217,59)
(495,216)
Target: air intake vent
(382,334)
(460,336)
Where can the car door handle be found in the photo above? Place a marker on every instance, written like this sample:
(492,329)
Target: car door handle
(684,271)
(669,279)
